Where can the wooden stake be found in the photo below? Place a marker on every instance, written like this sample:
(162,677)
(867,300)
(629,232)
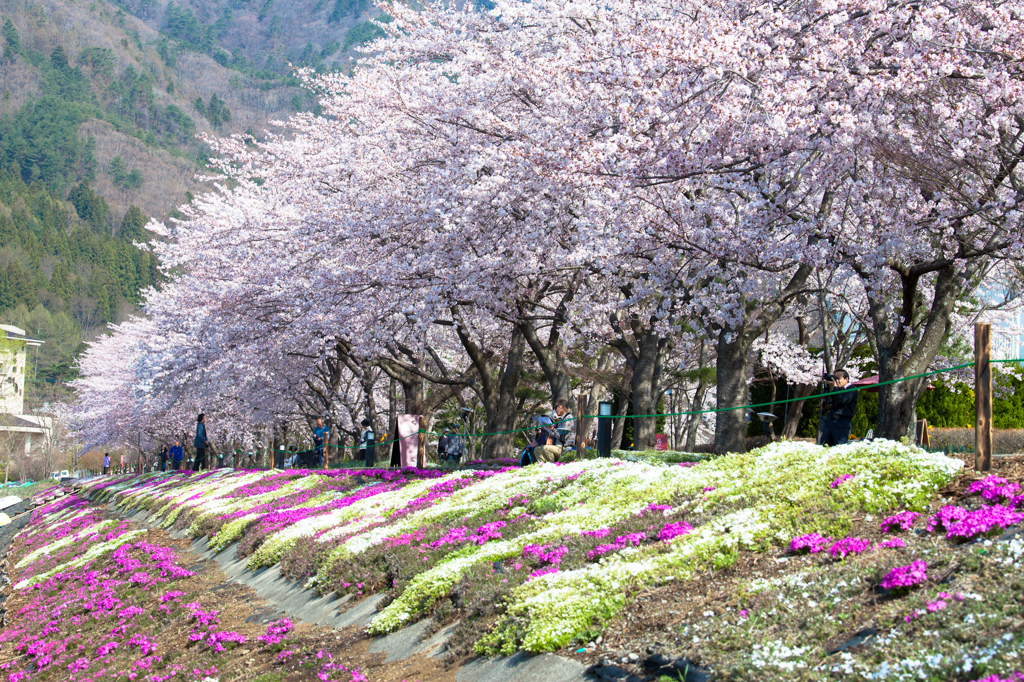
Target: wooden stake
(982,396)
(582,405)
(421,445)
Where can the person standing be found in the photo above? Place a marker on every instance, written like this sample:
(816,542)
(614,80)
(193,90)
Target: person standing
(367,443)
(177,454)
(164,454)
(842,403)
(442,446)
(201,442)
(320,436)
(106,463)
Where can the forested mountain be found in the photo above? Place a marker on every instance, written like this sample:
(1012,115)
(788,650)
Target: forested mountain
(101,108)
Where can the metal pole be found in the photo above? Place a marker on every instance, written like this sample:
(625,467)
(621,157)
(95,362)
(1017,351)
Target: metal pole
(982,396)
(421,444)
(604,429)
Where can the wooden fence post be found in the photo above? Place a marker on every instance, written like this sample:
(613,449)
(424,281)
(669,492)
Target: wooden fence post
(582,405)
(982,396)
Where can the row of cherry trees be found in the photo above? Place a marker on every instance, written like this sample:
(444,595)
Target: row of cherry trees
(611,194)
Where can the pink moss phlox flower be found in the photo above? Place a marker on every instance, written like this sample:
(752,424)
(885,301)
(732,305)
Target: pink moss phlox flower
(936,605)
(105,649)
(173,595)
(981,521)
(548,554)
(543,571)
(285,656)
(907,576)
(276,631)
(454,536)
(687,465)
(994,488)
(488,531)
(846,546)
(621,542)
(902,521)
(946,517)
(78,665)
(892,543)
(1014,677)
(672,530)
(841,480)
(707,489)
(597,534)
(145,644)
(404,539)
(812,543)
(654,508)
(217,639)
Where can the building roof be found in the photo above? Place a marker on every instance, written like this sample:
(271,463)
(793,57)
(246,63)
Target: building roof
(18,334)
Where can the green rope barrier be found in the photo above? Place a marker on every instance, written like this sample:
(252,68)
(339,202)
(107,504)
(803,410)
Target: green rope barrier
(722,409)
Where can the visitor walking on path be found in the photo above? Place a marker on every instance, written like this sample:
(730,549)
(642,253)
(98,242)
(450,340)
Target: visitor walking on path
(106,463)
(163,457)
(177,454)
(201,443)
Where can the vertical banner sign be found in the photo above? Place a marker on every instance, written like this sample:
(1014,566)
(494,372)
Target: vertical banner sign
(982,396)
(408,439)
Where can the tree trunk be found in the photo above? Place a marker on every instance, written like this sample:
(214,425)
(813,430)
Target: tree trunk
(795,410)
(646,390)
(501,409)
(624,395)
(698,400)
(731,425)
(898,354)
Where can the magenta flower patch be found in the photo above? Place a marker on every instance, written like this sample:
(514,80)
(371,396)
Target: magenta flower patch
(905,577)
(812,543)
(946,517)
(892,543)
(902,521)
(982,521)
(672,530)
(841,480)
(994,489)
(847,546)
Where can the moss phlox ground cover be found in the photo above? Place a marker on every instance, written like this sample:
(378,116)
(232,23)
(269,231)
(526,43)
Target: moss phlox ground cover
(103,606)
(622,525)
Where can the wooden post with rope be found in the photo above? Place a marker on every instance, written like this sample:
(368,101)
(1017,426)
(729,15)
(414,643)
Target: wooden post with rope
(582,405)
(982,396)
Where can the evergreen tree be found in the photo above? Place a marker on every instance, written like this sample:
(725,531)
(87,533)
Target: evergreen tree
(133,225)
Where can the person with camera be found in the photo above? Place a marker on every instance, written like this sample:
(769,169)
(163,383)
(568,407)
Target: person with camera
(840,404)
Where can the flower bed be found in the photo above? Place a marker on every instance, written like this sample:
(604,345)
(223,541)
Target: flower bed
(98,598)
(458,546)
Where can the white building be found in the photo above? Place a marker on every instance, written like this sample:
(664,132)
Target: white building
(19,432)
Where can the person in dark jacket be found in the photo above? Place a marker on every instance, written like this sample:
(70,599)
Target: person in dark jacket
(842,402)
(177,454)
(201,442)
(163,458)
